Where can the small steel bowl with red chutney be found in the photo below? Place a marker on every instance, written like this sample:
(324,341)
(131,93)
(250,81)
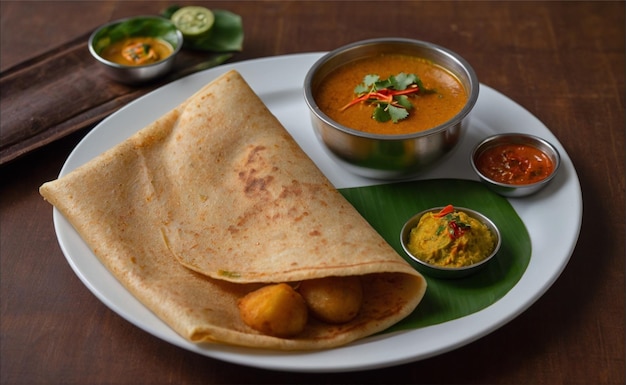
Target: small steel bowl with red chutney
(515,165)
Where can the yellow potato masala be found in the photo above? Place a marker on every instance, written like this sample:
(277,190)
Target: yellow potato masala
(450,238)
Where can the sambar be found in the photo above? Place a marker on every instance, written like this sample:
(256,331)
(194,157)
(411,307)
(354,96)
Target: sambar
(429,109)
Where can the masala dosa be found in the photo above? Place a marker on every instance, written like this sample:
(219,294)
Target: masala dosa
(214,200)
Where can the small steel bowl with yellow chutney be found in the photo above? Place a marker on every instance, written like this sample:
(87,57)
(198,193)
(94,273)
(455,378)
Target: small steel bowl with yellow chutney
(450,242)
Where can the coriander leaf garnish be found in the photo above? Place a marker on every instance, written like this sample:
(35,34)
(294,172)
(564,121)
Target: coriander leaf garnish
(396,113)
(390,97)
(402,81)
(368,82)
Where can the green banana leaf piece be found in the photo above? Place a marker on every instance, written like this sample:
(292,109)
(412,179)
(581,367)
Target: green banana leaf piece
(387,207)
(226,34)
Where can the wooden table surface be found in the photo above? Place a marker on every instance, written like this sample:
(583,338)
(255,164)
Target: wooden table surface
(562,61)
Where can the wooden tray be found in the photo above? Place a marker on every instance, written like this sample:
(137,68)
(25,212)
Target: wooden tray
(64,90)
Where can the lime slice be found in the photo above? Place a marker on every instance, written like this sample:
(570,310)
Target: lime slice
(193,21)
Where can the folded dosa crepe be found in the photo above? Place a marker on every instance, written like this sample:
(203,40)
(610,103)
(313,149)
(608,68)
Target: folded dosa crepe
(214,200)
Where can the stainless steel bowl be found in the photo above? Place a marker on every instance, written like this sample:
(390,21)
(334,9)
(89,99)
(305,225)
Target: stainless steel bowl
(389,156)
(449,272)
(146,26)
(512,190)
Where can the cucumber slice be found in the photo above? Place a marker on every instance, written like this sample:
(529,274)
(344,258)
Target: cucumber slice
(193,21)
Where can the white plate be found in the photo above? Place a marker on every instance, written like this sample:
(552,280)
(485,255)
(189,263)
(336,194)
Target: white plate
(278,81)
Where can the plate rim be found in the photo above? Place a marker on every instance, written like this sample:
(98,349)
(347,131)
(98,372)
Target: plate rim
(318,361)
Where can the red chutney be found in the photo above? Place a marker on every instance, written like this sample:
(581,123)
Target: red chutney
(516,164)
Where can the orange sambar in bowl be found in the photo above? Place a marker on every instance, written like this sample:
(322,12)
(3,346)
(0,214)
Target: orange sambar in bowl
(429,109)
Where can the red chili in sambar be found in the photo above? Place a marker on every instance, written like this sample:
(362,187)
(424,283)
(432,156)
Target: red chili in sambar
(429,110)
(516,164)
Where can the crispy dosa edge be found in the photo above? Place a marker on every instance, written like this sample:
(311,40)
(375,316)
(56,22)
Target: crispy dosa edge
(115,204)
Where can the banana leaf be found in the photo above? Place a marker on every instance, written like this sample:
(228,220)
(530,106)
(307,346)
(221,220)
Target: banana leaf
(387,207)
